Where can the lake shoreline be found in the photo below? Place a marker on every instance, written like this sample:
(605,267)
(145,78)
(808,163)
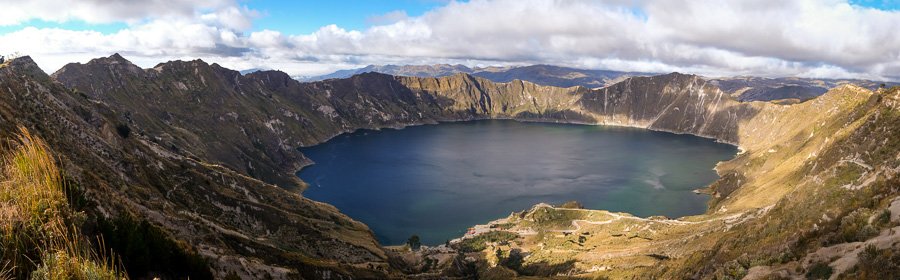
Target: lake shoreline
(517,163)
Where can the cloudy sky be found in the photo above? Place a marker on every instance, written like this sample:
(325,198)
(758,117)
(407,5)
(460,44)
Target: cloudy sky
(770,38)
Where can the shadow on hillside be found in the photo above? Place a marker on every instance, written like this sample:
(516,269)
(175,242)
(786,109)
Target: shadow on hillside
(548,269)
(515,261)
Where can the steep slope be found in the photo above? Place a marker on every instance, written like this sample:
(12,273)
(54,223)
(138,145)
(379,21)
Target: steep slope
(813,168)
(767,207)
(805,167)
(797,93)
(254,123)
(238,224)
(201,110)
(675,102)
(255,120)
(815,186)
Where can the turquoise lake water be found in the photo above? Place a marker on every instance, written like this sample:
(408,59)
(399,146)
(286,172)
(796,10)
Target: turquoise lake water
(438,180)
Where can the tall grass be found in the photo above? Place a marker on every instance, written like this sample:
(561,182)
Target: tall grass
(39,237)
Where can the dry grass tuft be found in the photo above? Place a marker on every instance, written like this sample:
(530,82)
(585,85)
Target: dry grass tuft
(39,236)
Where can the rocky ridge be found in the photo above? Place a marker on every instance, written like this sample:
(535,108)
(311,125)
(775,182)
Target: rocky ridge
(788,90)
(546,75)
(765,210)
(254,123)
(239,224)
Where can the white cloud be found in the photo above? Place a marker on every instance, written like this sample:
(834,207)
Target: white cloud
(232,17)
(811,38)
(268,39)
(102,11)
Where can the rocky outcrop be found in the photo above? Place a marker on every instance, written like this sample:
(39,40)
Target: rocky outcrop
(254,123)
(804,166)
(203,116)
(199,110)
(239,224)
(787,90)
(674,102)
(797,93)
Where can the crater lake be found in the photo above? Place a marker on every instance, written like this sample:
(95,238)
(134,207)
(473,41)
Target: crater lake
(436,181)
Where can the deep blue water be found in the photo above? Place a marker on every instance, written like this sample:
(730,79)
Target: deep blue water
(438,180)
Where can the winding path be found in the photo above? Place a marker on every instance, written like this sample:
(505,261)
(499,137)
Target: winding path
(619,217)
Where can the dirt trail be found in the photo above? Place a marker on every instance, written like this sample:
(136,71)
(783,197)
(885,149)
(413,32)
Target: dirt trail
(619,217)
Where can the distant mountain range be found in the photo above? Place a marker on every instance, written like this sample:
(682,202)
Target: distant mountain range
(745,89)
(546,75)
(785,90)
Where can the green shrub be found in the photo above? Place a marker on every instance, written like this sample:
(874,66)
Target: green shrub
(499,236)
(504,226)
(883,218)
(854,223)
(414,242)
(512,259)
(731,270)
(572,205)
(124,130)
(820,270)
(145,248)
(866,232)
(470,245)
(547,217)
(478,243)
(877,264)
(428,264)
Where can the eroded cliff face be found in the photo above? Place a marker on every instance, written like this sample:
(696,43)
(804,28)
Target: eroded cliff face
(198,110)
(804,166)
(239,224)
(814,192)
(822,172)
(254,123)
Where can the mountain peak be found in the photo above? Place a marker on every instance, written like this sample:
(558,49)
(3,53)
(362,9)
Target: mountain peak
(113,59)
(117,57)
(24,61)
(25,64)
(679,74)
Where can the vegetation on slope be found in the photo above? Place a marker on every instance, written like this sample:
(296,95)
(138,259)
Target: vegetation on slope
(814,195)
(49,230)
(238,224)
(253,123)
(806,167)
(40,233)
